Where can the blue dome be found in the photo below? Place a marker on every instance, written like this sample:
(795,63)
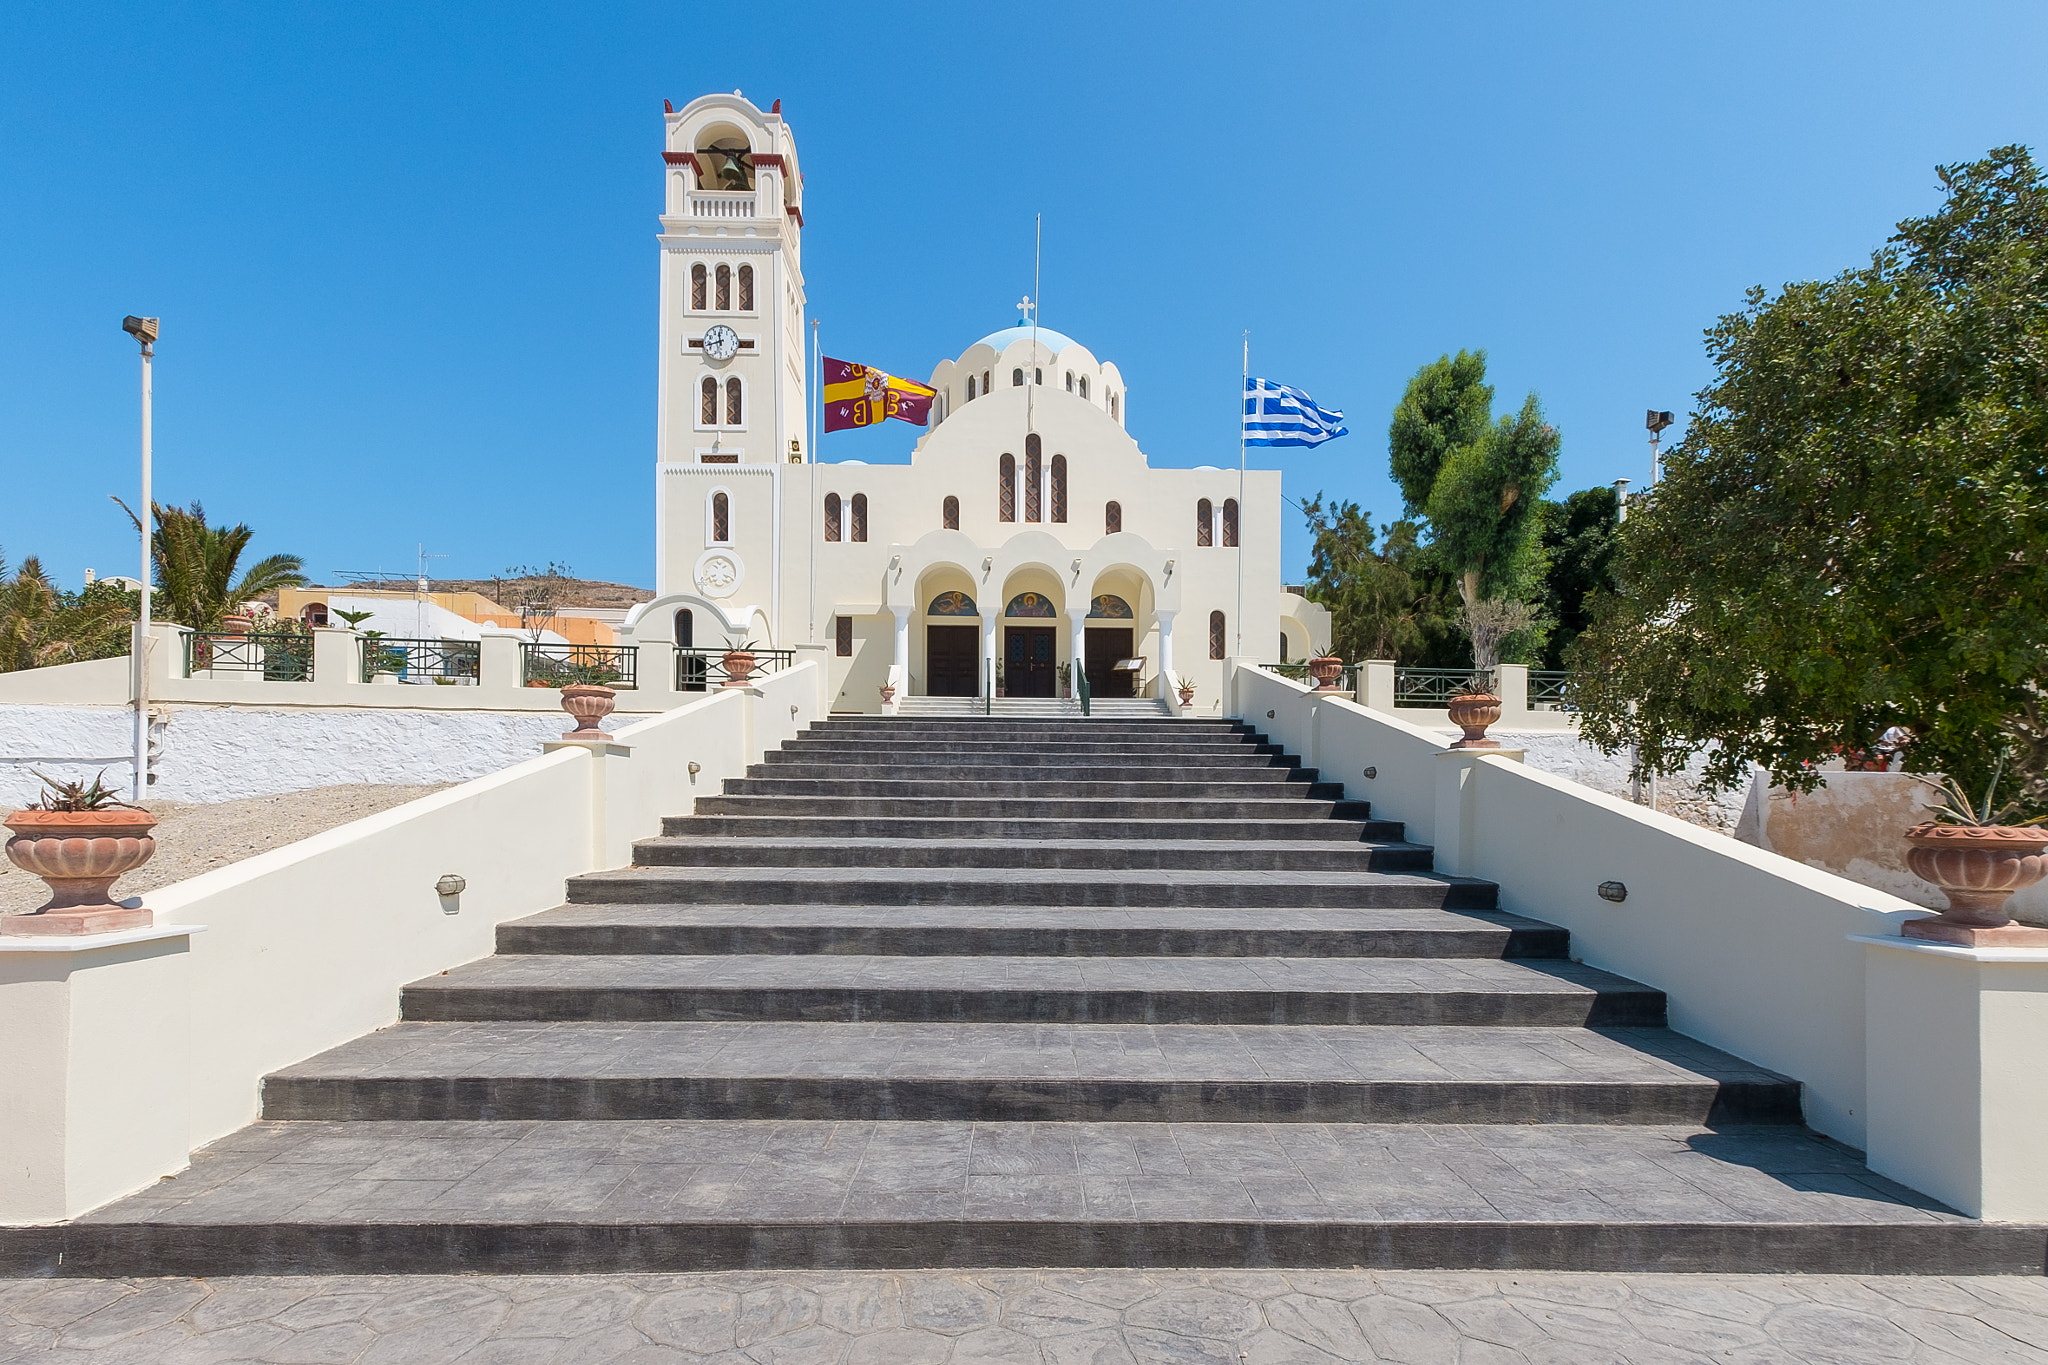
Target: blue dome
(1047,337)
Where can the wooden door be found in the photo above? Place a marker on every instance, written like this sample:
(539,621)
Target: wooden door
(1028,661)
(1104,646)
(951,667)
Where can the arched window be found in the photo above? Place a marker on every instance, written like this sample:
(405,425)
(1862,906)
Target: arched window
(1205,523)
(949,513)
(1283,646)
(1070,381)
(735,409)
(746,289)
(1038,376)
(707,411)
(1059,488)
(697,287)
(1017,378)
(1114,416)
(1006,488)
(988,385)
(970,398)
(724,289)
(1031,478)
(1230,523)
(1112,518)
(1084,386)
(831,516)
(686,628)
(1217,638)
(721,520)
(860,517)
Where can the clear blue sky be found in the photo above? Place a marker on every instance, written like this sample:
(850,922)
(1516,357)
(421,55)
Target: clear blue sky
(405,255)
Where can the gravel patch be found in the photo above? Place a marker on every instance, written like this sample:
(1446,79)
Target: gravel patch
(193,838)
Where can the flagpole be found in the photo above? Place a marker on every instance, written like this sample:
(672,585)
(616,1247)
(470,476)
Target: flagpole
(816,417)
(1241,388)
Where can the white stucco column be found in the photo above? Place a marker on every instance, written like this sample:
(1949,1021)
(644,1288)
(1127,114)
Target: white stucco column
(988,653)
(1165,619)
(1077,649)
(902,657)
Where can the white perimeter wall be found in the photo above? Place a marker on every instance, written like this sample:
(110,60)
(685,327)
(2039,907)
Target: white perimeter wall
(226,753)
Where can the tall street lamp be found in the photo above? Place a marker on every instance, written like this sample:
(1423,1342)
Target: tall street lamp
(144,331)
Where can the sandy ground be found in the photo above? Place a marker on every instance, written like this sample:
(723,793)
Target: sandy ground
(191,839)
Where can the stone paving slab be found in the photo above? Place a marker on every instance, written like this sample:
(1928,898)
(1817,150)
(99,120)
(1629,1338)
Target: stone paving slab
(1093,854)
(1048,1317)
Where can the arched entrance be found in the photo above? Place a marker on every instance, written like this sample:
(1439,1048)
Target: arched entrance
(952,635)
(1030,645)
(1116,605)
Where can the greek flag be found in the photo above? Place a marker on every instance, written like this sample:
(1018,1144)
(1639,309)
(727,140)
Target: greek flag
(1275,415)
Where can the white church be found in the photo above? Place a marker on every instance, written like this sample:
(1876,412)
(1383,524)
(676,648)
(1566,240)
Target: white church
(1027,532)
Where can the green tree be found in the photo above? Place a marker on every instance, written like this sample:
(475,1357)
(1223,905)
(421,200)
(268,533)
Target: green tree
(1478,484)
(1853,533)
(1580,542)
(195,567)
(40,624)
(1384,603)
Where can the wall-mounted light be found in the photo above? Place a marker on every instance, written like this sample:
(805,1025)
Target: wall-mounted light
(1169,568)
(695,767)
(1613,891)
(1372,772)
(449,889)
(1269,715)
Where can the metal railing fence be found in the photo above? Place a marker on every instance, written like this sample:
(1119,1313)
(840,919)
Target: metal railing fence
(428,662)
(1550,690)
(551,665)
(1434,687)
(279,657)
(704,670)
(1297,669)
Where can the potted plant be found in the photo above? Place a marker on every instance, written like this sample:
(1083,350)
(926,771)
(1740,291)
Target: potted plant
(1187,694)
(888,694)
(589,703)
(1475,707)
(999,677)
(739,663)
(1978,861)
(79,838)
(1326,669)
(1063,671)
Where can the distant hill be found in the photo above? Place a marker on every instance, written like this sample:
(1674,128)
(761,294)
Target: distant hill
(509,592)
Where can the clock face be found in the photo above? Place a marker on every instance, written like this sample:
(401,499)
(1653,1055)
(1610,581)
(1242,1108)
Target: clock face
(721,342)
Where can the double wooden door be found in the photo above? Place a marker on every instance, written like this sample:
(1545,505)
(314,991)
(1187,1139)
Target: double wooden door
(952,667)
(1104,646)
(1028,661)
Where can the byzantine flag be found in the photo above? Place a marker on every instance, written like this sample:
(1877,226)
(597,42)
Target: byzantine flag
(861,395)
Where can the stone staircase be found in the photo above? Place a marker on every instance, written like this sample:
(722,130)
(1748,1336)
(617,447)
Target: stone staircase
(1035,708)
(1008,991)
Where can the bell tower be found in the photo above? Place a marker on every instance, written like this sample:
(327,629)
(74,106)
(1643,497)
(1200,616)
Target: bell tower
(732,370)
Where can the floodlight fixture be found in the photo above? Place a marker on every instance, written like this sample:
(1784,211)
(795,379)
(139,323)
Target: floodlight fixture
(1655,421)
(143,330)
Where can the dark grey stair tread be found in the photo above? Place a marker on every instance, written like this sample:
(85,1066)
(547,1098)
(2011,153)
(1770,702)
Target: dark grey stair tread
(1009,930)
(678,1195)
(890,886)
(997,989)
(1270,806)
(1114,855)
(1024,828)
(855,784)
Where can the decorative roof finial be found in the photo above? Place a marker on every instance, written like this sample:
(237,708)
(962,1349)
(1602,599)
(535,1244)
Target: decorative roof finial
(667,108)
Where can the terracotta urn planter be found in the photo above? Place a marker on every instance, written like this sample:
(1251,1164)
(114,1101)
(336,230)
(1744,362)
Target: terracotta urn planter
(888,694)
(1472,712)
(236,624)
(1187,694)
(739,664)
(590,704)
(80,854)
(1978,868)
(1326,669)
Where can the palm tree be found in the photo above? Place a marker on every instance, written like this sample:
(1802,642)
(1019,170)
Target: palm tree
(195,568)
(40,625)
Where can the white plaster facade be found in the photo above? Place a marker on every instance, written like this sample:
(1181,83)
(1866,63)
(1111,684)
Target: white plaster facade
(1027,531)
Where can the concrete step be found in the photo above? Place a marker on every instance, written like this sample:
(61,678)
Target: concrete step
(998,726)
(896,886)
(679,1195)
(1106,855)
(1154,990)
(1002,762)
(1065,1073)
(973,768)
(1164,789)
(1270,805)
(1065,708)
(1034,931)
(1024,829)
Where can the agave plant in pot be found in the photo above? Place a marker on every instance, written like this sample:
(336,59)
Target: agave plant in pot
(1979,862)
(79,838)
(739,663)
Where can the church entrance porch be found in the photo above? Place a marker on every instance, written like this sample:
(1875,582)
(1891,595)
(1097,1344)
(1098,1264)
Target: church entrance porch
(952,661)
(1028,661)
(1105,645)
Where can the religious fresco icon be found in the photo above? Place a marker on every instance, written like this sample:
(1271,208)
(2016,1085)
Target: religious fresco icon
(1029,604)
(1110,607)
(954,603)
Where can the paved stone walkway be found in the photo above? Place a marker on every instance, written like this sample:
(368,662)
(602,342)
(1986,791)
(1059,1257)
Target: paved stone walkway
(1045,1317)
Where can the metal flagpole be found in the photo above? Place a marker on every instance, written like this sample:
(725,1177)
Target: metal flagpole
(143,330)
(1238,648)
(816,414)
